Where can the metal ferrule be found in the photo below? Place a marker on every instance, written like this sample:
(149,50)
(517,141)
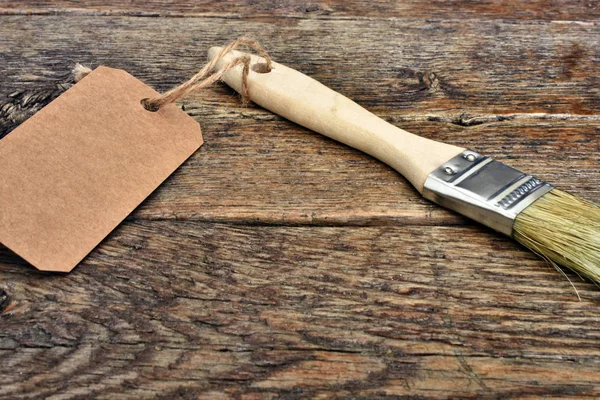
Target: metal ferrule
(483,189)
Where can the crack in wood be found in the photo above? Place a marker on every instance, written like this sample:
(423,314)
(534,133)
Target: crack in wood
(466,119)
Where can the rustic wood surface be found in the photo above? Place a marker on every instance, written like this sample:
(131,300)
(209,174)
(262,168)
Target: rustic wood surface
(279,264)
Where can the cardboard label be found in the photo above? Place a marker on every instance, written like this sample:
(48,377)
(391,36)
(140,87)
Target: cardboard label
(73,171)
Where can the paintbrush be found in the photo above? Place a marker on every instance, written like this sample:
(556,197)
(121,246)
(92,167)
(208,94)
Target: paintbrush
(562,228)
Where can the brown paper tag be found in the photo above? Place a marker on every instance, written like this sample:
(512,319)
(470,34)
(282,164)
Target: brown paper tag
(72,172)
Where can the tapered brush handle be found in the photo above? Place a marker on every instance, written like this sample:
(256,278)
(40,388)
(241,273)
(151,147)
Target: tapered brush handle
(305,101)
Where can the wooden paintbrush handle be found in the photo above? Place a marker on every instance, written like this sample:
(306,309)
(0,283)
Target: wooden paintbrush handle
(309,103)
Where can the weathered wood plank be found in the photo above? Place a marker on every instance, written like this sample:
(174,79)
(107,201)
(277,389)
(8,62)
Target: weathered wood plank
(435,9)
(421,67)
(188,309)
(273,172)
(489,83)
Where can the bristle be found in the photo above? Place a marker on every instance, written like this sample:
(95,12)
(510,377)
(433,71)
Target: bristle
(565,230)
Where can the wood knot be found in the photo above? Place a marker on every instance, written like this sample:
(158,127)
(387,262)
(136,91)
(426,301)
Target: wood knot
(430,80)
(465,119)
(309,8)
(314,8)
(4,300)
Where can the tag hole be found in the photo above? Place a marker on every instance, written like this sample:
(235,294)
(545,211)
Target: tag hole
(149,107)
(261,68)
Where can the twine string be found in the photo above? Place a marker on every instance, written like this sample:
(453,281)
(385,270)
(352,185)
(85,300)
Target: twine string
(204,77)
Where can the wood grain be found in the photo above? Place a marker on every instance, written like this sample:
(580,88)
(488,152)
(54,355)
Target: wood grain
(188,307)
(485,68)
(517,112)
(569,10)
(279,264)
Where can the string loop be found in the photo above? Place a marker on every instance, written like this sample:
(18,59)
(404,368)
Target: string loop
(204,78)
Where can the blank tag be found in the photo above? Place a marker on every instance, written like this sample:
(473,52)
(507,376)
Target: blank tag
(73,171)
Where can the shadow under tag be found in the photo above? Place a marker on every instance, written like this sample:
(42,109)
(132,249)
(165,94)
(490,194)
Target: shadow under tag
(74,170)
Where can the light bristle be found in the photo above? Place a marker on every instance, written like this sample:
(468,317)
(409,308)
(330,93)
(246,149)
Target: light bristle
(565,230)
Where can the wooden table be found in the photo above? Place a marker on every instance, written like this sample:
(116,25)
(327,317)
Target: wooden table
(276,263)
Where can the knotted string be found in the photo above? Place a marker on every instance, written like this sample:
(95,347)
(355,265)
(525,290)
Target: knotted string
(203,77)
